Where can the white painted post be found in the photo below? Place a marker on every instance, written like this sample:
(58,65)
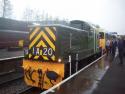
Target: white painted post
(70,65)
(76,62)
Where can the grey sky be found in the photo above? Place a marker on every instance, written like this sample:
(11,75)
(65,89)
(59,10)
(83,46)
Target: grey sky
(109,14)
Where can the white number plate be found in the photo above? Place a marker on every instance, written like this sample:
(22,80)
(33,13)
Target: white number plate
(42,51)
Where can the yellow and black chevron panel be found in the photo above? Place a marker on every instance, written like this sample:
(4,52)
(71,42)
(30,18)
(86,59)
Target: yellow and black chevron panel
(42,43)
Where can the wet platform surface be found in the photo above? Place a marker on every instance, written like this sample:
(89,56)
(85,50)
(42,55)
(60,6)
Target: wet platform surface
(106,76)
(86,81)
(8,54)
(114,80)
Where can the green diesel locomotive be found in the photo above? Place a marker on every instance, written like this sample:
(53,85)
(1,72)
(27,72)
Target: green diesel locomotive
(53,50)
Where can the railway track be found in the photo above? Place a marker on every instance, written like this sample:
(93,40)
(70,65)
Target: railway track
(30,90)
(25,90)
(10,64)
(13,72)
(12,58)
(11,77)
(5,73)
(13,86)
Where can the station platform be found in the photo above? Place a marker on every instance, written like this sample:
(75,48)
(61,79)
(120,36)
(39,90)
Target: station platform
(4,53)
(113,81)
(106,76)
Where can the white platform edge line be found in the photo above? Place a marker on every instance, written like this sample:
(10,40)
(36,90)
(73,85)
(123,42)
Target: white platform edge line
(62,82)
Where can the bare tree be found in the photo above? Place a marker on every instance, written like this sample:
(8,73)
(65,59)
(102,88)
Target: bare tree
(37,16)
(7,9)
(28,14)
(32,15)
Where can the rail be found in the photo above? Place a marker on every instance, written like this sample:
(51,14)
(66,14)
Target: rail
(21,77)
(17,57)
(24,90)
(59,84)
(5,73)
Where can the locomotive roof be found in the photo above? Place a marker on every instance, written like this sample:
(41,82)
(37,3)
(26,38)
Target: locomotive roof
(59,25)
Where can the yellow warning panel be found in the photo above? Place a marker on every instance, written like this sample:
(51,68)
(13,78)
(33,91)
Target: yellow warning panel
(42,43)
(42,74)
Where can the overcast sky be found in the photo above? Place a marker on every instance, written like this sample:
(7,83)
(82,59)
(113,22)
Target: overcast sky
(109,14)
